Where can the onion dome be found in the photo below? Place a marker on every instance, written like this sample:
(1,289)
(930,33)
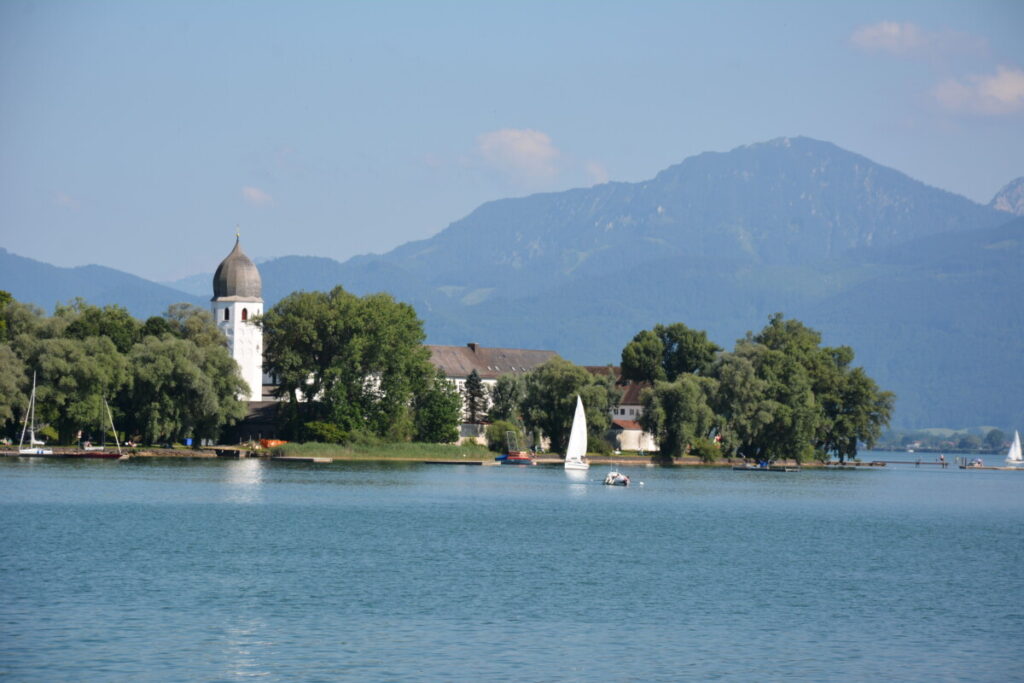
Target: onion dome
(237,277)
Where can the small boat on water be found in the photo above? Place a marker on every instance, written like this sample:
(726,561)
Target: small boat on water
(515,458)
(616,478)
(1014,457)
(576,451)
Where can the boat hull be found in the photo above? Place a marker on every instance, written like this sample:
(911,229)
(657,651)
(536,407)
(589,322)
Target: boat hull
(516,458)
(616,479)
(46,453)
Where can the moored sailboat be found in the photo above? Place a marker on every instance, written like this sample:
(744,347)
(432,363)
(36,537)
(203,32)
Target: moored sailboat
(34,447)
(576,451)
(102,452)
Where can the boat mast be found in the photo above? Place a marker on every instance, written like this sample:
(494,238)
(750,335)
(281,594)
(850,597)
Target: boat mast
(30,413)
(112,428)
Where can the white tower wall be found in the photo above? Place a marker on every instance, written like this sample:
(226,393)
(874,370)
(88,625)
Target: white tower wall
(245,340)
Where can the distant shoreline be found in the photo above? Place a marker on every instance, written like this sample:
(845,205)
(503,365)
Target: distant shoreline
(211,453)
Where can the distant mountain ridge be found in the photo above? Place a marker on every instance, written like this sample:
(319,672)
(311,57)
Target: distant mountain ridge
(44,285)
(903,272)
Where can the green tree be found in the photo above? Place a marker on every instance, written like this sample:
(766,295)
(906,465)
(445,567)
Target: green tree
(766,400)
(180,389)
(969,442)
(390,337)
(113,322)
(324,432)
(195,324)
(476,397)
(5,298)
(995,439)
(507,397)
(850,406)
(678,413)
(75,377)
(642,358)
(550,400)
(437,409)
(497,435)
(356,362)
(666,352)
(13,398)
(686,350)
(156,326)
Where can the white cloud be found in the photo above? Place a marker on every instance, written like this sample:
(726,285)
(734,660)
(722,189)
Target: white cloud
(255,195)
(907,39)
(999,93)
(597,172)
(527,155)
(67,201)
(889,36)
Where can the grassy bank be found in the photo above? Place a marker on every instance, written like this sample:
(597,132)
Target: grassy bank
(387,451)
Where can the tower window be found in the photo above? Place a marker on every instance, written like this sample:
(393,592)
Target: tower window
(227,314)
(245,314)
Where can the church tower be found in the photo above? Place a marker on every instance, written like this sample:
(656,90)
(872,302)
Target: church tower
(237,299)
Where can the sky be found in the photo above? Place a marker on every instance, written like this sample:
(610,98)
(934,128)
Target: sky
(141,135)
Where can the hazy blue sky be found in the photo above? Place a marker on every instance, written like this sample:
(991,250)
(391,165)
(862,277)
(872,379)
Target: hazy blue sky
(138,134)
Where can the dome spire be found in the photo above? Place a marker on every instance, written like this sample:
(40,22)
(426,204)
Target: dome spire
(237,276)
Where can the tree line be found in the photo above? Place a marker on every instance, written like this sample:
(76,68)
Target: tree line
(164,379)
(350,367)
(779,394)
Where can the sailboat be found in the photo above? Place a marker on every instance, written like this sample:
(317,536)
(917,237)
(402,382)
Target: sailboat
(576,452)
(30,425)
(89,451)
(1014,457)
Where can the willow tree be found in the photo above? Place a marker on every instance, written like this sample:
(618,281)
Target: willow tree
(785,396)
(679,414)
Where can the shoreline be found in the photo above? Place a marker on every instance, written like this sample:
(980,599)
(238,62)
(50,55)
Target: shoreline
(235,452)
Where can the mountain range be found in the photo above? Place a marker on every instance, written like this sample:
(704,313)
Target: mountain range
(922,283)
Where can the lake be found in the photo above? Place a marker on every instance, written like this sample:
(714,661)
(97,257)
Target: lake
(158,570)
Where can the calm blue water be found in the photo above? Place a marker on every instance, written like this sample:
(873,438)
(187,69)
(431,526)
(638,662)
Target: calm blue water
(224,571)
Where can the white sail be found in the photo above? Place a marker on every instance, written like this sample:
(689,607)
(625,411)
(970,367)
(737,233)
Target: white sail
(1014,457)
(575,454)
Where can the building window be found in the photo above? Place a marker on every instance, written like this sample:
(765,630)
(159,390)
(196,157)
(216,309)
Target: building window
(227,314)
(245,314)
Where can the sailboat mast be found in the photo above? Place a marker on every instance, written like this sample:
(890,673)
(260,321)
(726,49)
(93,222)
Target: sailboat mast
(112,428)
(30,414)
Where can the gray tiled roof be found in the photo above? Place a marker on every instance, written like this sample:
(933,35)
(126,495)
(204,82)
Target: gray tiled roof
(237,277)
(490,363)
